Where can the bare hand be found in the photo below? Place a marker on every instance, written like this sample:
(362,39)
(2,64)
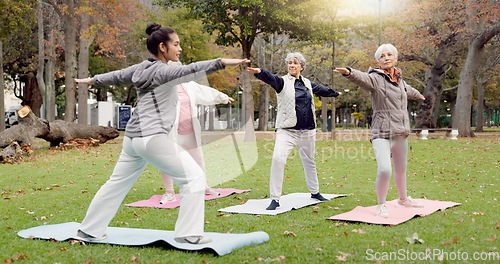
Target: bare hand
(343,71)
(253,70)
(421,97)
(85,80)
(230,100)
(230,62)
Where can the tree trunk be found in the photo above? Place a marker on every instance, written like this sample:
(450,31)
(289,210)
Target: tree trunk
(61,131)
(324,114)
(102,94)
(466,81)
(263,107)
(83,69)
(25,132)
(248,103)
(2,91)
(202,117)
(41,55)
(480,104)
(489,113)
(333,120)
(50,85)
(211,117)
(32,96)
(70,61)
(432,93)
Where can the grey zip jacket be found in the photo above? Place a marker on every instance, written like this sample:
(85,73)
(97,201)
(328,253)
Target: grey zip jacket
(389,102)
(155,82)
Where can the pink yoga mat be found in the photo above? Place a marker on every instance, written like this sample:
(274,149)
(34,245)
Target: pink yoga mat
(397,215)
(154,201)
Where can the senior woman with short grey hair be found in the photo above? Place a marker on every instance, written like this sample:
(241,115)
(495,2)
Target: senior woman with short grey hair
(391,124)
(295,123)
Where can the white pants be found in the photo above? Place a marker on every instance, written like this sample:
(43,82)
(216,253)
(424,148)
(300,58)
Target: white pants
(162,153)
(286,139)
(385,149)
(188,143)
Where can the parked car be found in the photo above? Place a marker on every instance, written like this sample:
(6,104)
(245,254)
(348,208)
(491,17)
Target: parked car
(11,118)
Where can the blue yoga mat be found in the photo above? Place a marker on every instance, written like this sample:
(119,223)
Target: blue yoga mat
(222,243)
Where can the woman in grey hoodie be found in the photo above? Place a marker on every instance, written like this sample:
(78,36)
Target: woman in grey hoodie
(147,137)
(391,124)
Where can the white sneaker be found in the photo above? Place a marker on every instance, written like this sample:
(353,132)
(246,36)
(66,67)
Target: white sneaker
(167,198)
(382,211)
(82,236)
(210,191)
(408,202)
(193,240)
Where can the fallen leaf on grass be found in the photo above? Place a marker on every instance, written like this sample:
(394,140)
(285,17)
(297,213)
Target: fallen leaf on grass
(318,249)
(134,259)
(382,243)
(88,261)
(359,231)
(492,238)
(289,233)
(343,256)
(414,239)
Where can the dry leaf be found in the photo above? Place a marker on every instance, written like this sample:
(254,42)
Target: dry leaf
(359,231)
(88,261)
(492,238)
(289,233)
(134,259)
(318,249)
(414,239)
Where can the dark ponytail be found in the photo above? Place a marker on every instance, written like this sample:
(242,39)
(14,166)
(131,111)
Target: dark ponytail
(157,34)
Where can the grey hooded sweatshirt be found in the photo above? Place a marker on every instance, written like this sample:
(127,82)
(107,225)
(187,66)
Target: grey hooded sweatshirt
(155,82)
(389,101)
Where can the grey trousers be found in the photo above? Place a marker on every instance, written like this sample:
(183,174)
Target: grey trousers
(164,154)
(286,139)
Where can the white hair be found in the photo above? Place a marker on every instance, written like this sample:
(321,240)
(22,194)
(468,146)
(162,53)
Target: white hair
(296,56)
(383,47)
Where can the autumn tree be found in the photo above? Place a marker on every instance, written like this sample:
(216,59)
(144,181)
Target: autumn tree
(431,35)
(490,68)
(14,14)
(238,22)
(481,26)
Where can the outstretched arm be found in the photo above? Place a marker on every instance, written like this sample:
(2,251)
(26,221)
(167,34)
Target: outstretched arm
(362,79)
(275,81)
(85,80)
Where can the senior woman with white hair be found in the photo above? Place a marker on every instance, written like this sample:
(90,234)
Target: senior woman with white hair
(295,123)
(391,125)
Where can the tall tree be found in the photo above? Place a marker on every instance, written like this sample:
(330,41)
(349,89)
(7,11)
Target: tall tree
(490,68)
(431,35)
(239,22)
(66,10)
(482,26)
(14,14)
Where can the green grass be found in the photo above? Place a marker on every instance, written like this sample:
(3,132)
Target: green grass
(57,186)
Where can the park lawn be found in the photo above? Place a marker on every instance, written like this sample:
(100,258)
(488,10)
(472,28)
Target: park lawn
(57,186)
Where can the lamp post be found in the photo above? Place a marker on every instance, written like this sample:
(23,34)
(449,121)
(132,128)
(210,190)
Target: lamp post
(379,22)
(346,107)
(239,108)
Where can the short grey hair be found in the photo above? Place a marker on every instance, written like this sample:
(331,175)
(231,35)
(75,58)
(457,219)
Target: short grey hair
(296,56)
(383,47)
